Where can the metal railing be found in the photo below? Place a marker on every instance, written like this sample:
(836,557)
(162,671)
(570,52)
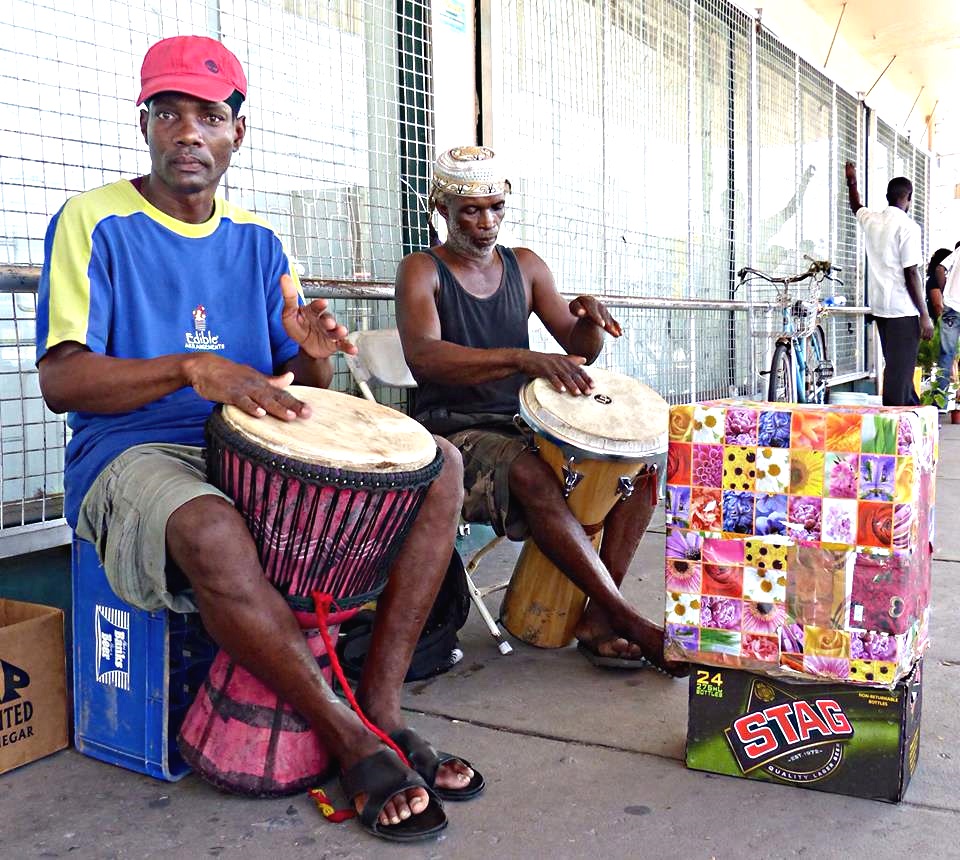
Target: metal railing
(662,341)
(654,146)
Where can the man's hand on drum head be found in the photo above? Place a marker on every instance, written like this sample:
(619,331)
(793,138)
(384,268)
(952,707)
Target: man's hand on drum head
(592,309)
(223,381)
(563,372)
(312,325)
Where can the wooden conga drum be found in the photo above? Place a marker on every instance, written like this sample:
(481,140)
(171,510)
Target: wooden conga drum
(328,501)
(597,445)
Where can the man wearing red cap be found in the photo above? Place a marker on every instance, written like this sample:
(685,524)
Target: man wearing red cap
(157,300)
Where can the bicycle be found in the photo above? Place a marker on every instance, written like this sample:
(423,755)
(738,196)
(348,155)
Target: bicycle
(799,368)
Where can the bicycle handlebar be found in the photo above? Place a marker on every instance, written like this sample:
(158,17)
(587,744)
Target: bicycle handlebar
(817,267)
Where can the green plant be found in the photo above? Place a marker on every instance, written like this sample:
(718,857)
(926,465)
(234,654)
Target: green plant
(929,352)
(933,396)
(928,357)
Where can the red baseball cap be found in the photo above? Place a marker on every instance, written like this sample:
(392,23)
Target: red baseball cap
(195,65)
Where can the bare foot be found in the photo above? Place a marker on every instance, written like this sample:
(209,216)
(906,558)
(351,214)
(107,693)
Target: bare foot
(403,805)
(610,645)
(400,807)
(453,775)
(596,634)
(654,654)
(636,637)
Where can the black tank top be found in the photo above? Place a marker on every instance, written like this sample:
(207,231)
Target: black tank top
(499,320)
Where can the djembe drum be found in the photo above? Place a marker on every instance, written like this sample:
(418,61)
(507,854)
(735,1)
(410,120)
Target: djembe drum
(328,501)
(598,445)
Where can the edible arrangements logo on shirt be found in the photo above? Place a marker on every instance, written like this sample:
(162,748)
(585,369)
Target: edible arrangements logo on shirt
(200,338)
(112,630)
(792,739)
(16,711)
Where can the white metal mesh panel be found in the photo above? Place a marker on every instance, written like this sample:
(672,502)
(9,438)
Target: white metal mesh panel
(625,124)
(891,154)
(31,437)
(849,148)
(655,151)
(643,168)
(779,191)
(720,90)
(556,98)
(325,163)
(918,172)
(338,149)
(847,336)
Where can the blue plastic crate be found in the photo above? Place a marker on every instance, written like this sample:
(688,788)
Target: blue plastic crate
(135,674)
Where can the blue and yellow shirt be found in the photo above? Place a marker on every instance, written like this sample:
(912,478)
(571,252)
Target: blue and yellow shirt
(126,280)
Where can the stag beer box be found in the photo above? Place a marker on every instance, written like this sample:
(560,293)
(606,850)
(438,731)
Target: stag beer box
(835,737)
(33,691)
(798,538)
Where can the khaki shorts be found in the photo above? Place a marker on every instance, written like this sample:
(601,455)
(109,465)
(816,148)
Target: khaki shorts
(487,458)
(124,515)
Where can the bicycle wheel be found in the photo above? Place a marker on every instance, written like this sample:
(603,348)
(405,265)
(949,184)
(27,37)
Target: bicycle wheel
(782,386)
(816,376)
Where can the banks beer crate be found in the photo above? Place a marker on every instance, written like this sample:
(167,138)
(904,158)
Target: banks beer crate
(135,674)
(840,738)
(799,538)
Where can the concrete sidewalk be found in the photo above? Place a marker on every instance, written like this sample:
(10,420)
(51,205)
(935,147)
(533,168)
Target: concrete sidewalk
(579,762)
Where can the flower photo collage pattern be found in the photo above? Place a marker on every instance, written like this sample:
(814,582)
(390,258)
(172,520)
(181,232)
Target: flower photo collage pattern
(798,538)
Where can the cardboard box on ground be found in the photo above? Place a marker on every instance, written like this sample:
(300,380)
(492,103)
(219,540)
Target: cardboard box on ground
(842,738)
(33,691)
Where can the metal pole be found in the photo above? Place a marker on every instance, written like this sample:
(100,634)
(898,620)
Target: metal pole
(25,279)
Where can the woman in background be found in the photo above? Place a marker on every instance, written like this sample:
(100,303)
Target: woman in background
(936,278)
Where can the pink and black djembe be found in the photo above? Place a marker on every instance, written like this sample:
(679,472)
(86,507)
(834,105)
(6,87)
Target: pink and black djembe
(328,501)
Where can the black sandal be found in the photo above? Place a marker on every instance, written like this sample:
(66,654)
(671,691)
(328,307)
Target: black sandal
(427,761)
(380,776)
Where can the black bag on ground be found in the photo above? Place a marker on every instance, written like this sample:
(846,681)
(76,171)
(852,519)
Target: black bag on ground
(437,649)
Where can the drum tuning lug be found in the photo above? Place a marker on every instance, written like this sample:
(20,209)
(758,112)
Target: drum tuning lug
(625,487)
(571,477)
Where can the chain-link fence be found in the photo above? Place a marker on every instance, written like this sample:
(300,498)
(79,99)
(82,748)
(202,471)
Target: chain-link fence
(656,146)
(659,146)
(337,157)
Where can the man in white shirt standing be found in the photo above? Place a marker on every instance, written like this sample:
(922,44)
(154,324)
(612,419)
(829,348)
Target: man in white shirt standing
(897,302)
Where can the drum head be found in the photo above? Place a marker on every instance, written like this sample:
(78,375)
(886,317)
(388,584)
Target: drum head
(343,432)
(621,419)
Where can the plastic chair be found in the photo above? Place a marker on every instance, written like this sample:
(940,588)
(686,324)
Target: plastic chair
(380,360)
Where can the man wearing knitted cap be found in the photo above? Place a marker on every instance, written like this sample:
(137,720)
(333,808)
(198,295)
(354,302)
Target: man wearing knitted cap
(462,311)
(128,269)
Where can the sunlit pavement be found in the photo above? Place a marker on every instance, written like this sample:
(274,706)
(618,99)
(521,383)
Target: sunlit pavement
(579,762)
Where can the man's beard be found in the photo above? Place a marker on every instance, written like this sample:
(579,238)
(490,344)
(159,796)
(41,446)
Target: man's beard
(460,242)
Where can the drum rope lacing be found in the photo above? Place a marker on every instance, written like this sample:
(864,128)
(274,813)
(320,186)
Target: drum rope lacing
(249,474)
(315,473)
(350,515)
(323,602)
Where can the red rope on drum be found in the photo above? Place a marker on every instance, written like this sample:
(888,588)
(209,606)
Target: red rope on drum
(327,809)
(323,602)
